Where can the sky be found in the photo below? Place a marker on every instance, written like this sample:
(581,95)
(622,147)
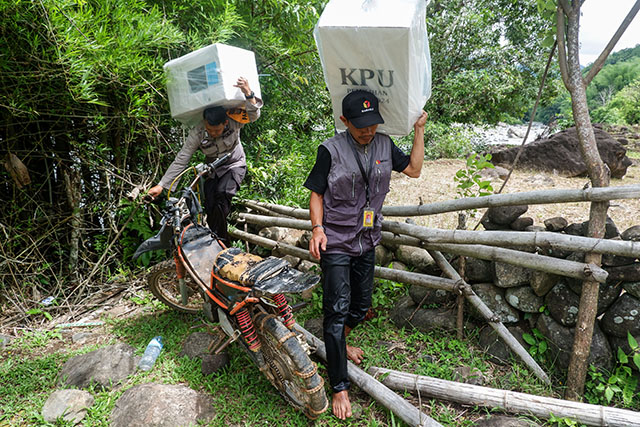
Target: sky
(599,21)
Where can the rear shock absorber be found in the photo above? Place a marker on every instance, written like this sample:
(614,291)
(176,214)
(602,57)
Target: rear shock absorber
(247,329)
(285,310)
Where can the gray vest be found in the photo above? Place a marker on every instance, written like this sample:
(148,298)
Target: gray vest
(345,197)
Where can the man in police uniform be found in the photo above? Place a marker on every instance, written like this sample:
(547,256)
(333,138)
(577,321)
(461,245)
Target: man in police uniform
(348,184)
(216,136)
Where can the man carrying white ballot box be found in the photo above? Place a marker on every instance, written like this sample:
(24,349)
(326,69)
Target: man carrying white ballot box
(217,135)
(348,184)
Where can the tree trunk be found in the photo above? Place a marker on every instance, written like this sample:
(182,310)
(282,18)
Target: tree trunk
(599,176)
(73,188)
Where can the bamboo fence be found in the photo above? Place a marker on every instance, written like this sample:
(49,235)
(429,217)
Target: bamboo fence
(510,401)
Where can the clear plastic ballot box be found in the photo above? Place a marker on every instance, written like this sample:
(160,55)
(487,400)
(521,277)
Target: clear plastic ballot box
(380,46)
(205,78)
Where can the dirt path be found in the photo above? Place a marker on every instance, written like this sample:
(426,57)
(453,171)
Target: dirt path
(436,184)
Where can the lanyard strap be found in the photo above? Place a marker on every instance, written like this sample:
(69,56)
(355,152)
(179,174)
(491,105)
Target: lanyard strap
(365,175)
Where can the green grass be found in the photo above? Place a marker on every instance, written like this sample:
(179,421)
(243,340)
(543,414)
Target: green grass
(29,369)
(633,154)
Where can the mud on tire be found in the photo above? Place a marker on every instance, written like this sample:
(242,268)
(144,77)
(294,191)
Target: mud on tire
(291,370)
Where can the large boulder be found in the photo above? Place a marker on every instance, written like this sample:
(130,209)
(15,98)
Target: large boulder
(622,317)
(631,233)
(607,292)
(150,405)
(495,346)
(632,288)
(542,282)
(406,314)
(417,257)
(494,298)
(509,275)
(383,256)
(624,273)
(560,339)
(561,153)
(475,270)
(71,405)
(289,236)
(428,297)
(524,299)
(505,215)
(563,305)
(494,420)
(104,367)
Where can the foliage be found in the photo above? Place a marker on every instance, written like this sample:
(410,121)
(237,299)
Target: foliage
(538,344)
(563,421)
(621,384)
(613,96)
(487,59)
(449,141)
(84,107)
(469,182)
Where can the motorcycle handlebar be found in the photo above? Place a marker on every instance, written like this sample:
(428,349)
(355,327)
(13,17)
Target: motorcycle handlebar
(206,168)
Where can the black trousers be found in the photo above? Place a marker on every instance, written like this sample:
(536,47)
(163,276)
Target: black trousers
(218,192)
(347,286)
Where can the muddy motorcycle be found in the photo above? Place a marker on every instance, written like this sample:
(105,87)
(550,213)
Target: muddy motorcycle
(244,293)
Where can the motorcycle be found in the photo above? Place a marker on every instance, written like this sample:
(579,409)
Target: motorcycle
(242,292)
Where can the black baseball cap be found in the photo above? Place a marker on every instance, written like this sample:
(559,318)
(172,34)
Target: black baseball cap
(361,109)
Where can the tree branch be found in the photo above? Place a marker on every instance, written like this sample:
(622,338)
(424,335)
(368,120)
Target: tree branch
(599,63)
(566,7)
(562,48)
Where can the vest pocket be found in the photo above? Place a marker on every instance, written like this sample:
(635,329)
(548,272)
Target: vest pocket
(345,186)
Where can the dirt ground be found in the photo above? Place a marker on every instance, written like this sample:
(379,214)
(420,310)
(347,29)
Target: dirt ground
(436,184)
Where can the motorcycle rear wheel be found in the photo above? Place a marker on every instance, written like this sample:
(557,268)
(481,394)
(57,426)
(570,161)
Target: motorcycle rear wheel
(290,369)
(164,285)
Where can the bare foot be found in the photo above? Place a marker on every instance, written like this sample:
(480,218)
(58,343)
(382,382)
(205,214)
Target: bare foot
(341,405)
(355,354)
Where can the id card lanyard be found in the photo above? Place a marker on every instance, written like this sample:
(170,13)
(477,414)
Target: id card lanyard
(369,214)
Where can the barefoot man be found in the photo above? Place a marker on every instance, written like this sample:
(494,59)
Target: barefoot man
(348,184)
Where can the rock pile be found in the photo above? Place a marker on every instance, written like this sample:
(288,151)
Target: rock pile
(142,405)
(549,303)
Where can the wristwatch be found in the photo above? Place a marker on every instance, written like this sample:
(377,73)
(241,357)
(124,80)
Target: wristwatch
(250,96)
(318,225)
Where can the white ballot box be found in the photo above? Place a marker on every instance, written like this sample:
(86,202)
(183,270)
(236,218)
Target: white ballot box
(380,46)
(205,78)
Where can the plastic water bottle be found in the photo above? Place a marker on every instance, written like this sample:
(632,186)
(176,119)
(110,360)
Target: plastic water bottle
(150,354)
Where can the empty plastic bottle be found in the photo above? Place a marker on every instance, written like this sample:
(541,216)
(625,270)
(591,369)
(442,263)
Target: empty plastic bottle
(150,354)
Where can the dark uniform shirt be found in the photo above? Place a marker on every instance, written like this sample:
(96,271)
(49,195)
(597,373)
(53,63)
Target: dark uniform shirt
(317,179)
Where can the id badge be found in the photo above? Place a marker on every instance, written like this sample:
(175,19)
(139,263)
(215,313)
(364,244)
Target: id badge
(367,219)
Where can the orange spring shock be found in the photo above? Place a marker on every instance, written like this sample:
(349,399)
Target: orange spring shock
(285,310)
(247,329)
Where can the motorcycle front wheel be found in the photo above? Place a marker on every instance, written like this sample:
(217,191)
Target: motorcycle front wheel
(290,369)
(164,285)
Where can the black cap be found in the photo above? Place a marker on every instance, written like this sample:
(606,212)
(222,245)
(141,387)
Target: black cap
(361,109)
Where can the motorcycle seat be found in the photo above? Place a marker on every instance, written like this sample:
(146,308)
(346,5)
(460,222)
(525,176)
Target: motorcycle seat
(246,269)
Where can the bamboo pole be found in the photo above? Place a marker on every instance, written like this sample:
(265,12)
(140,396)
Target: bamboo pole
(492,238)
(523,259)
(519,403)
(517,238)
(500,329)
(539,197)
(544,263)
(381,393)
(453,286)
(425,280)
